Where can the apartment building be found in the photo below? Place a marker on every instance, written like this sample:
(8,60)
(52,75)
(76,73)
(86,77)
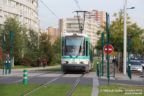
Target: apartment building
(98,16)
(71,25)
(52,33)
(26,11)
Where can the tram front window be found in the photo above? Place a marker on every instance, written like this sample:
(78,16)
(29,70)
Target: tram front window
(74,46)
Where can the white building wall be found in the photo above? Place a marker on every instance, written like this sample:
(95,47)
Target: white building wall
(26,11)
(70,25)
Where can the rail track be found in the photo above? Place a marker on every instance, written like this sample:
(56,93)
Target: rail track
(75,84)
(41,86)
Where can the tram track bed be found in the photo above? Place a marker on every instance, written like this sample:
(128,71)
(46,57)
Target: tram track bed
(49,78)
(57,86)
(48,90)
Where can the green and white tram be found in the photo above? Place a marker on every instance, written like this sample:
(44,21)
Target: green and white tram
(76,53)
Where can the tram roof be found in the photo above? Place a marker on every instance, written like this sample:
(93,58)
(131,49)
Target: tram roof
(76,34)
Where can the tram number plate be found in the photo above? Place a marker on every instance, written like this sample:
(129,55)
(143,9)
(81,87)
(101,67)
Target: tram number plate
(74,63)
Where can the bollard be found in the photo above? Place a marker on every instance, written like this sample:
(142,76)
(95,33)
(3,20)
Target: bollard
(129,71)
(98,69)
(25,77)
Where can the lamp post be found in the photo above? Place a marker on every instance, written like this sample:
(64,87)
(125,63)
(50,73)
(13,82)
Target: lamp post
(125,37)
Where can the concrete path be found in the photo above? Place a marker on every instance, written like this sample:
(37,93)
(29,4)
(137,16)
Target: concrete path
(123,79)
(95,85)
(13,71)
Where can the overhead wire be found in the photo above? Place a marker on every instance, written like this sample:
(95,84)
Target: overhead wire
(49,9)
(77,4)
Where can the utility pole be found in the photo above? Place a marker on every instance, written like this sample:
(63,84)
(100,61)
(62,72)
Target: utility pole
(39,35)
(22,33)
(102,37)
(125,38)
(3,53)
(108,40)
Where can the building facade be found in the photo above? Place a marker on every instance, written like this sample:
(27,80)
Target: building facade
(71,25)
(98,16)
(26,11)
(52,33)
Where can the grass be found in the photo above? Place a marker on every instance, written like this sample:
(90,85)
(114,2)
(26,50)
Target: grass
(15,89)
(121,90)
(95,65)
(51,69)
(82,91)
(48,90)
(20,67)
(52,90)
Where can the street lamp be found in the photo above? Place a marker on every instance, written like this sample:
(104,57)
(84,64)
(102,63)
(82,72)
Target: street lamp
(131,8)
(125,36)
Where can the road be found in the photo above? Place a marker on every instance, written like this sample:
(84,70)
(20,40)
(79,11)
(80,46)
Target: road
(41,77)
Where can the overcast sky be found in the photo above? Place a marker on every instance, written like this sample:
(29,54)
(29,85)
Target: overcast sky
(64,9)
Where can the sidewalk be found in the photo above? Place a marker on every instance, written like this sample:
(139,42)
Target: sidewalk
(29,69)
(125,77)
(37,68)
(123,80)
(95,85)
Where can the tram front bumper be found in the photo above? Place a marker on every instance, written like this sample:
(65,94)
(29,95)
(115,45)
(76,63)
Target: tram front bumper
(71,67)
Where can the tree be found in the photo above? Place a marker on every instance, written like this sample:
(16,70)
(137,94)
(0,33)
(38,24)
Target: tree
(32,45)
(57,51)
(46,49)
(116,35)
(19,36)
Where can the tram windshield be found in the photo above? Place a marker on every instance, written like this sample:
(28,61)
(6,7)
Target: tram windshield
(74,46)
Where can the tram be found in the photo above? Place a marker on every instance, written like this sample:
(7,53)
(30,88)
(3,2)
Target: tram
(77,52)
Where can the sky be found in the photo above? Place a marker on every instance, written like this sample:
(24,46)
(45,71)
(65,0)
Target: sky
(65,8)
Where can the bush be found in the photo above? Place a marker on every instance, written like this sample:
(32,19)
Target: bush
(26,61)
(1,61)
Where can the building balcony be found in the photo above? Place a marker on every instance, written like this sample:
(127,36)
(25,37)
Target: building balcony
(28,4)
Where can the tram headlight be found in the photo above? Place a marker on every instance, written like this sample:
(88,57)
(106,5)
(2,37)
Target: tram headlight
(65,62)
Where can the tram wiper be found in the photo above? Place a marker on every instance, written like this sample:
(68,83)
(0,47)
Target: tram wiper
(70,55)
(79,51)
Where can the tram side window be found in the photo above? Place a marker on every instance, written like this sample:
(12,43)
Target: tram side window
(86,48)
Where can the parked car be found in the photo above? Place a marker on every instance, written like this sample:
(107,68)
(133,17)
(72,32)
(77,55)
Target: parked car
(136,66)
(142,62)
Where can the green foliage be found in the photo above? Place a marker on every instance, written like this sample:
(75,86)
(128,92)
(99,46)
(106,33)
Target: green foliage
(19,35)
(26,61)
(32,45)
(46,49)
(1,61)
(57,51)
(116,34)
(51,52)
(25,43)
